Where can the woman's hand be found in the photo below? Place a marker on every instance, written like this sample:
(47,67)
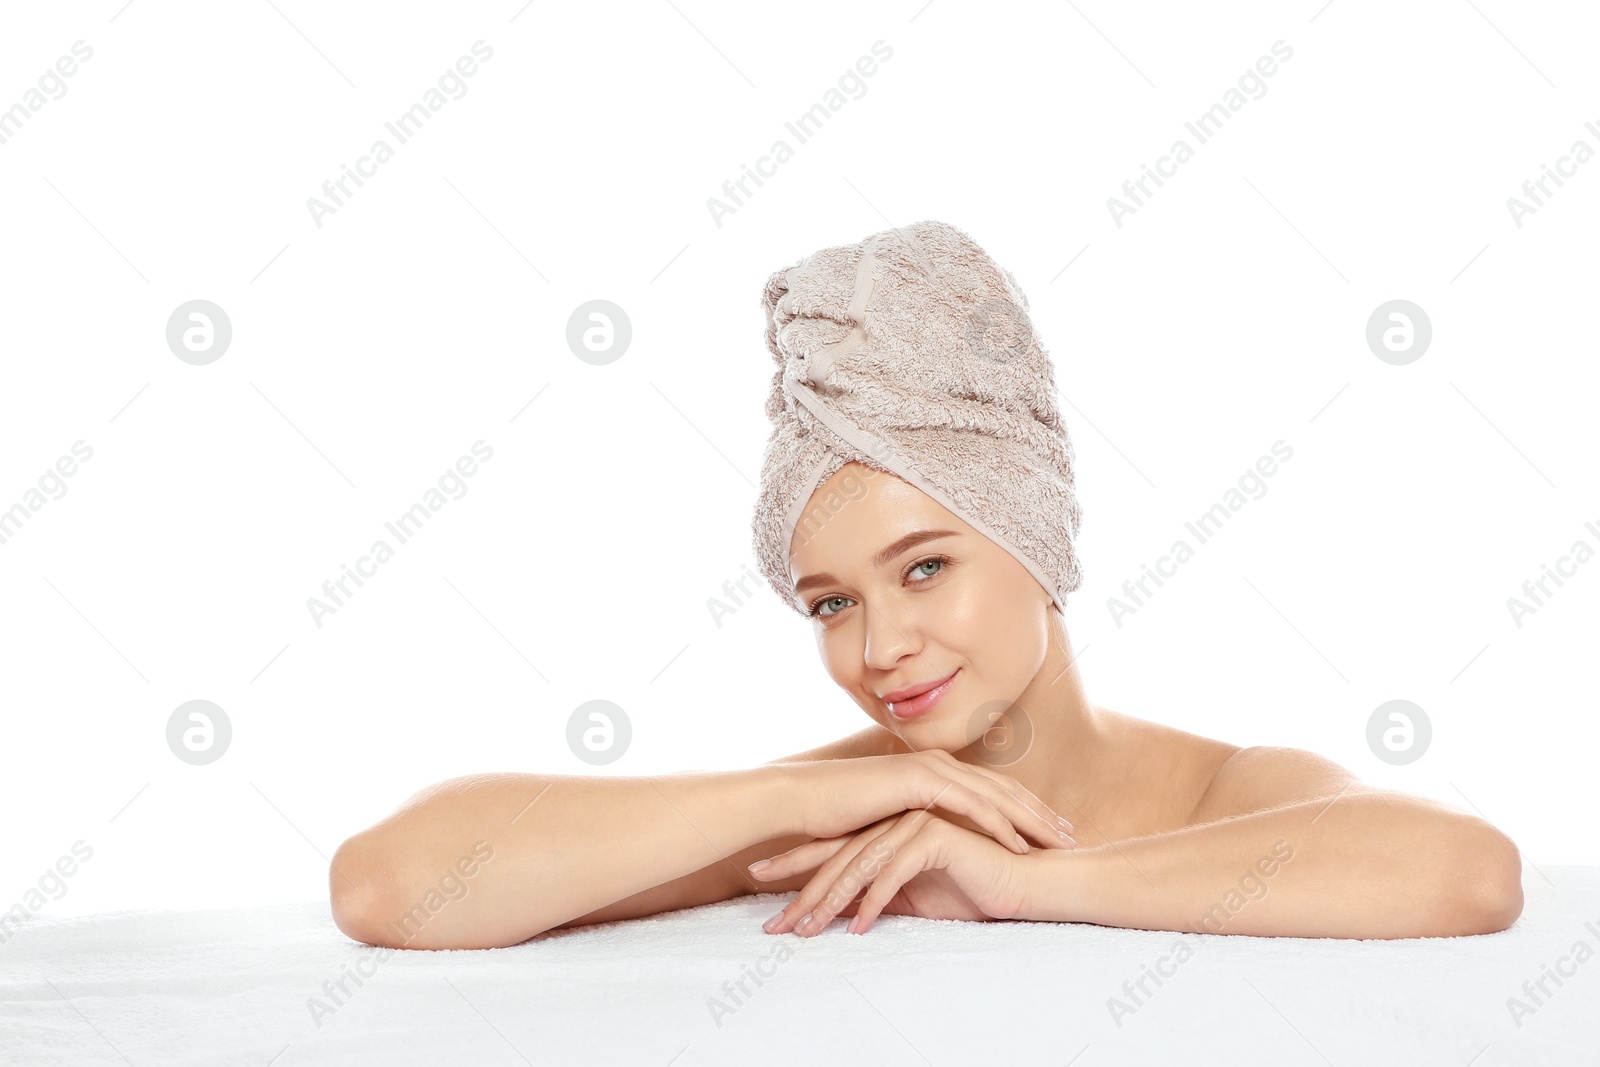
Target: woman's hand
(838,797)
(914,863)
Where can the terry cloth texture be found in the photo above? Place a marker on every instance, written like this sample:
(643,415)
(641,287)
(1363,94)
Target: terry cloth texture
(280,985)
(911,352)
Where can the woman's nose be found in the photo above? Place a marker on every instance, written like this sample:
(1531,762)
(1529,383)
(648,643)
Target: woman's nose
(888,638)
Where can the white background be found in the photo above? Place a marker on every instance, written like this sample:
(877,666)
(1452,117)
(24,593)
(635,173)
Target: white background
(430,312)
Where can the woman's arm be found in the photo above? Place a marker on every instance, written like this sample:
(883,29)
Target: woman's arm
(1283,843)
(491,860)
(715,883)
(1363,863)
(705,886)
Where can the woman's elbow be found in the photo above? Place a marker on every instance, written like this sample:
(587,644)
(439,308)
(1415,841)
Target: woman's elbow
(357,894)
(1490,884)
(379,897)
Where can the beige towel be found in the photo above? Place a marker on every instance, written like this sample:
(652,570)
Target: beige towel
(911,352)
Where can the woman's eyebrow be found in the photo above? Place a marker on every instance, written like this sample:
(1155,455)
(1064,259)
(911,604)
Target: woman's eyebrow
(888,552)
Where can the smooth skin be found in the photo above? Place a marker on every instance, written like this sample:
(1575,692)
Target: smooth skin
(493,859)
(1167,830)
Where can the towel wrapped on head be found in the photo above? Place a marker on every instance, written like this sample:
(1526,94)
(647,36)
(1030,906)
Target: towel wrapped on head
(912,353)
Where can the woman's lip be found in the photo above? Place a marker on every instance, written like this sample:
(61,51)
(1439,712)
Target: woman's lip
(914,706)
(897,695)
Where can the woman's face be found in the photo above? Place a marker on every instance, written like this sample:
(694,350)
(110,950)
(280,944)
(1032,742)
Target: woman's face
(954,604)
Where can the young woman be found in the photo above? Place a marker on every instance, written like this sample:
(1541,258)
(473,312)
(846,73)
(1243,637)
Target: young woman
(917,508)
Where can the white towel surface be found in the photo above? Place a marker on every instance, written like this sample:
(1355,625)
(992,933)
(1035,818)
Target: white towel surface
(234,986)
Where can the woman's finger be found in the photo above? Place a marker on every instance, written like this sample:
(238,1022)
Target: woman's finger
(882,877)
(870,847)
(1029,799)
(910,860)
(1017,803)
(829,876)
(804,857)
(953,794)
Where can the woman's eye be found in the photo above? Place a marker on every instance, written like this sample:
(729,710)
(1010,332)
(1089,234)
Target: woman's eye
(912,575)
(817,610)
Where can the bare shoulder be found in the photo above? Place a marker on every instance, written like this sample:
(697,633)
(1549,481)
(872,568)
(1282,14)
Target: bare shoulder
(1154,774)
(1152,752)
(1269,776)
(874,740)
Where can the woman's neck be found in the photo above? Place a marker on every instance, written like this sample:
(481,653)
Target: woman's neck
(1052,739)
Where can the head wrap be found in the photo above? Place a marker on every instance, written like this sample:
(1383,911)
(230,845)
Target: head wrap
(911,352)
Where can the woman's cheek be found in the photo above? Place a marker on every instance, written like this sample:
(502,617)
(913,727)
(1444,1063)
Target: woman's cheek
(972,620)
(990,629)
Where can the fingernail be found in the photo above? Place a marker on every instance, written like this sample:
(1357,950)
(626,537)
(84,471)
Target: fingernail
(772,923)
(760,865)
(1064,835)
(1063,822)
(803,923)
